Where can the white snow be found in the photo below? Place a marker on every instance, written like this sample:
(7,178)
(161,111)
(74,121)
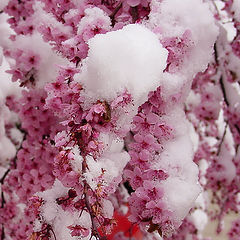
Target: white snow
(107,208)
(180,196)
(3,4)
(47,70)
(174,18)
(106,168)
(131,58)
(200,219)
(7,87)
(54,214)
(236,9)
(94,17)
(181,188)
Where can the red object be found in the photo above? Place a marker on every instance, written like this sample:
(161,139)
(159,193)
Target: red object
(123,225)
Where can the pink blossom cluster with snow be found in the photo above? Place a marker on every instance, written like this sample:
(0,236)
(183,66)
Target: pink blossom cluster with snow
(111,107)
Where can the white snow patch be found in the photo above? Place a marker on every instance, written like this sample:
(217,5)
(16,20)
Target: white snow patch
(131,58)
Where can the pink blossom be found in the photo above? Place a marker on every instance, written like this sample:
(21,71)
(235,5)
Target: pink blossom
(78,230)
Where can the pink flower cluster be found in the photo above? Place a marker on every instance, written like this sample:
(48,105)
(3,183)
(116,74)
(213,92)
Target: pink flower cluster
(81,157)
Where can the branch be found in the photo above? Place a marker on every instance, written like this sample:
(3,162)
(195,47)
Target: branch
(53,233)
(221,78)
(237,127)
(223,91)
(216,54)
(3,200)
(224,134)
(4,176)
(95,232)
(3,233)
(15,158)
(113,14)
(134,13)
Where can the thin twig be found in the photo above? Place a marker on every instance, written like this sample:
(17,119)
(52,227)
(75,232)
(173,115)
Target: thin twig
(216,54)
(222,139)
(221,78)
(95,232)
(4,176)
(134,14)
(223,91)
(113,14)
(237,127)
(3,233)
(3,200)
(53,233)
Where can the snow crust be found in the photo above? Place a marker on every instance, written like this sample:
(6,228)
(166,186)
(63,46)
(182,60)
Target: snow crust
(181,188)
(194,15)
(108,168)
(7,88)
(47,70)
(200,219)
(57,217)
(91,19)
(5,29)
(129,59)
(225,159)
(236,9)
(3,4)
